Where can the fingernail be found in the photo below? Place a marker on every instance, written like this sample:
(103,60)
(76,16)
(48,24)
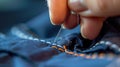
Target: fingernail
(51,18)
(52,22)
(76,5)
(84,36)
(63,26)
(82,30)
(72,12)
(86,13)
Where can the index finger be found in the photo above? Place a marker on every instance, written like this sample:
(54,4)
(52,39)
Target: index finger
(58,11)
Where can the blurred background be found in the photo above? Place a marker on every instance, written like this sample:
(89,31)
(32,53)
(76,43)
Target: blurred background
(19,11)
(33,13)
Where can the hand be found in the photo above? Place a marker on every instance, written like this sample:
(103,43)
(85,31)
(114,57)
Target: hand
(92,14)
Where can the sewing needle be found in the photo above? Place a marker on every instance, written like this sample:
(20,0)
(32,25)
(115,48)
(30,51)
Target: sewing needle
(58,34)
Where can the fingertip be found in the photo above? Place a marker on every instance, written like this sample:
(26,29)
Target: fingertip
(72,21)
(58,11)
(91,27)
(56,20)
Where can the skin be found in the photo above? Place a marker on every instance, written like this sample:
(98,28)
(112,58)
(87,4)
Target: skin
(92,14)
(58,14)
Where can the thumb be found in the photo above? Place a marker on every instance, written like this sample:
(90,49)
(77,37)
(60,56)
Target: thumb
(100,8)
(90,27)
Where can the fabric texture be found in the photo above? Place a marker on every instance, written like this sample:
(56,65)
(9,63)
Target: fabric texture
(25,46)
(31,44)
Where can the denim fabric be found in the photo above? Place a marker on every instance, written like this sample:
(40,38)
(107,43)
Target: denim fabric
(29,45)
